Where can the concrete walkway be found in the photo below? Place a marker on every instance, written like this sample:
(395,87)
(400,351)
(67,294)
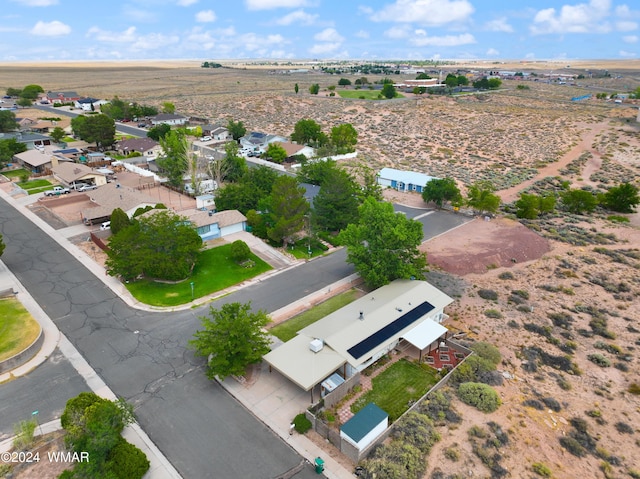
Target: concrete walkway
(263,251)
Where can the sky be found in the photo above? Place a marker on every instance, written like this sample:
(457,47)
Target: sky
(102,30)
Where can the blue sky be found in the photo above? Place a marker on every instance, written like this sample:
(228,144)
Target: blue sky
(48,30)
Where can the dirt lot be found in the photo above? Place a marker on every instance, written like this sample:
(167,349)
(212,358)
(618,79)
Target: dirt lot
(581,288)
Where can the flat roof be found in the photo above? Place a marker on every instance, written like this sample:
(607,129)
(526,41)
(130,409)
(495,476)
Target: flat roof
(425,333)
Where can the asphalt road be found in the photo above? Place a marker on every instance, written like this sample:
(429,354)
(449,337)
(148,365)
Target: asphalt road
(434,222)
(143,357)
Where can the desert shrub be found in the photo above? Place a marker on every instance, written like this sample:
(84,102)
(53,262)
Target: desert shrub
(573,446)
(516,300)
(301,424)
(599,359)
(506,275)
(488,294)
(610,348)
(564,384)
(562,320)
(24,432)
(623,428)
(634,473)
(408,458)
(471,369)
(492,378)
(487,351)
(534,403)
(126,461)
(521,293)
(535,355)
(552,404)
(493,313)
(452,453)
(540,469)
(418,430)
(438,407)
(634,388)
(240,251)
(477,431)
(479,395)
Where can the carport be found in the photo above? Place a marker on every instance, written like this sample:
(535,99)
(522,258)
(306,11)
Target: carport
(425,334)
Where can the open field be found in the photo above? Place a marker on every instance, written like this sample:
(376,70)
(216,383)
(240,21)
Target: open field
(580,274)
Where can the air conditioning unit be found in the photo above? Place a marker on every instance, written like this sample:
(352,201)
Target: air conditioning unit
(316,345)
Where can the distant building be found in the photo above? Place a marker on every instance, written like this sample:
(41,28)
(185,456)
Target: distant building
(403,180)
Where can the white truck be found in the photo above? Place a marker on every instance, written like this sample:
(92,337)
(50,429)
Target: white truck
(206,186)
(57,191)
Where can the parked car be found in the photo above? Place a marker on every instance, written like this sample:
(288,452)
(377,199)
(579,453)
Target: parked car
(205,138)
(105,226)
(86,187)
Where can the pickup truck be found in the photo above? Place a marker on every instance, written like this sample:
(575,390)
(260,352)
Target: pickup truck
(57,191)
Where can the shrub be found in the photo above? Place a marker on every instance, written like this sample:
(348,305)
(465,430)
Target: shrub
(479,395)
(506,275)
(240,252)
(599,359)
(452,453)
(418,430)
(521,293)
(301,424)
(540,469)
(488,294)
(573,446)
(623,428)
(487,351)
(552,404)
(126,461)
(634,388)
(493,313)
(24,431)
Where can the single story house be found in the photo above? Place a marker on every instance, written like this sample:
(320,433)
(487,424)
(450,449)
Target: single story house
(256,141)
(216,132)
(30,139)
(403,180)
(294,149)
(357,335)
(72,174)
(147,147)
(25,123)
(365,426)
(37,161)
(111,196)
(169,119)
(61,96)
(210,225)
(86,104)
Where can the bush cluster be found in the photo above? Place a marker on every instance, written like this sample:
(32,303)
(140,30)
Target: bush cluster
(479,395)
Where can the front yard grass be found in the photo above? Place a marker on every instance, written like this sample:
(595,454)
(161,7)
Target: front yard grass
(365,94)
(397,387)
(300,249)
(18,329)
(288,329)
(35,186)
(16,173)
(214,271)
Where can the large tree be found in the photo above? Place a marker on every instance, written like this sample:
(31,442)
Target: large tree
(233,338)
(530,206)
(31,92)
(174,158)
(7,121)
(98,129)
(245,195)
(481,197)
(288,208)
(579,201)
(237,129)
(622,198)
(336,204)
(306,131)
(9,148)
(234,164)
(388,90)
(440,191)
(57,134)
(383,245)
(315,172)
(162,245)
(158,132)
(276,153)
(344,138)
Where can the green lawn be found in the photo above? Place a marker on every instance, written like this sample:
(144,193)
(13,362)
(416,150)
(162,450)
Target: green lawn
(395,387)
(17,328)
(287,330)
(16,173)
(367,94)
(214,271)
(35,186)
(300,249)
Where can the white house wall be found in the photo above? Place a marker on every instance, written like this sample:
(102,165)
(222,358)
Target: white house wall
(368,438)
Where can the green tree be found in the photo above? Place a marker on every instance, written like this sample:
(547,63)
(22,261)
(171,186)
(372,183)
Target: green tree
(462,80)
(237,129)
(422,76)
(622,198)
(174,158)
(245,195)
(494,83)
(7,121)
(451,81)
(2,246)
(233,338)
(530,206)
(315,172)
(240,251)
(578,201)
(441,190)
(9,148)
(481,84)
(13,92)
(481,198)
(306,131)
(336,204)
(57,134)
(162,245)
(383,245)
(24,102)
(119,221)
(482,396)
(369,180)
(344,82)
(296,88)
(344,138)
(168,107)
(388,90)
(314,89)
(288,207)
(276,152)
(159,132)
(31,92)
(234,164)
(98,129)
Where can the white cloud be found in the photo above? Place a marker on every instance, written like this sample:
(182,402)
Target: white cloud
(206,16)
(154,41)
(324,48)
(399,31)
(626,26)
(499,25)
(329,35)
(630,38)
(422,40)
(253,42)
(105,36)
(425,12)
(50,29)
(492,52)
(270,4)
(299,17)
(139,15)
(580,18)
(626,54)
(37,3)
(186,3)
(361,34)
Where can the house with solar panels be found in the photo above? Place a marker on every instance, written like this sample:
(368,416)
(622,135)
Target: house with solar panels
(349,340)
(258,142)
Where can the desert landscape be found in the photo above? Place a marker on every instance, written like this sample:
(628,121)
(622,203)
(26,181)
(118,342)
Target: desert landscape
(565,288)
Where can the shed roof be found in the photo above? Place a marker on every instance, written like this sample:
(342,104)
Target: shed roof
(363,422)
(425,333)
(406,177)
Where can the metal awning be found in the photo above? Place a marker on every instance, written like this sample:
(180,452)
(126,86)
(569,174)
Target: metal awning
(425,333)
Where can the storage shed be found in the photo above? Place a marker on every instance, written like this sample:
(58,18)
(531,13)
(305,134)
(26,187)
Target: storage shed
(364,427)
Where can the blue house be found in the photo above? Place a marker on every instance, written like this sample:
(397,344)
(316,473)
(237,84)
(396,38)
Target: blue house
(403,180)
